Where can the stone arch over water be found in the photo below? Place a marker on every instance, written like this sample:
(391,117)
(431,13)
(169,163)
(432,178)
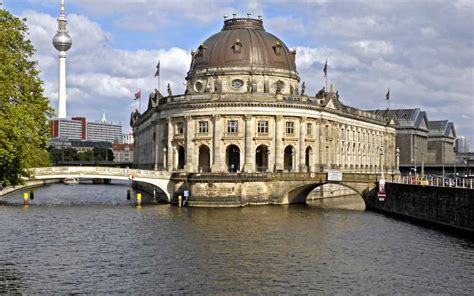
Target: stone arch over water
(332,195)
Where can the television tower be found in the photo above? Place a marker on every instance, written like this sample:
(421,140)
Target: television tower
(62,42)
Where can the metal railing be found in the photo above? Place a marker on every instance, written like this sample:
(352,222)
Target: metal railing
(437,181)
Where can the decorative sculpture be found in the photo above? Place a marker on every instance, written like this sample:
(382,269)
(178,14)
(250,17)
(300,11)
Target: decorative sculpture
(249,86)
(170,94)
(321,93)
(303,88)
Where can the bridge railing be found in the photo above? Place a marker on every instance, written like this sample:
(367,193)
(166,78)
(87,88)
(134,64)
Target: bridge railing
(105,171)
(438,181)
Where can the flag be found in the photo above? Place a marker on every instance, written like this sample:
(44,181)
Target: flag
(157,73)
(326,69)
(138,95)
(387,96)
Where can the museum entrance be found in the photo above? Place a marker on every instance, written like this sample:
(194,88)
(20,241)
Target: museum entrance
(204,165)
(288,158)
(181,157)
(233,158)
(261,158)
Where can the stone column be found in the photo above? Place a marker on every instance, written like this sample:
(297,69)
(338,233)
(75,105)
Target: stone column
(170,148)
(278,143)
(248,164)
(190,163)
(157,146)
(271,148)
(317,147)
(217,164)
(302,166)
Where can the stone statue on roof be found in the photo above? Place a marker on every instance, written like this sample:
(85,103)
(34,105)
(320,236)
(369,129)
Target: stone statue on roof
(170,93)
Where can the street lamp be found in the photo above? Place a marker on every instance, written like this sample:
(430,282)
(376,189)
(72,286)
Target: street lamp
(381,168)
(398,159)
(165,165)
(269,151)
(293,153)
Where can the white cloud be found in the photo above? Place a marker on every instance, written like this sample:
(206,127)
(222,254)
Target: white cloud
(99,76)
(422,50)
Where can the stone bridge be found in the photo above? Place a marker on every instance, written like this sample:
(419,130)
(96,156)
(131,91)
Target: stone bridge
(160,179)
(262,188)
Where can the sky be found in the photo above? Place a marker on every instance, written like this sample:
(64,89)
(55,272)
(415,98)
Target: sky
(423,50)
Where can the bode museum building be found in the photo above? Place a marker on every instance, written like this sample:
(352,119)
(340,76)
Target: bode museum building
(246,110)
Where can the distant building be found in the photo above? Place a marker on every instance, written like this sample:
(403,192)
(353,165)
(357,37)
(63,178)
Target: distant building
(78,128)
(461,145)
(68,129)
(441,142)
(127,138)
(83,146)
(108,132)
(123,152)
(412,134)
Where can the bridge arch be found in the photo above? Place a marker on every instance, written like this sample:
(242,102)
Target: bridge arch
(160,179)
(299,193)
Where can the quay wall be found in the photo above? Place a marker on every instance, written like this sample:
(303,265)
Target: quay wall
(446,206)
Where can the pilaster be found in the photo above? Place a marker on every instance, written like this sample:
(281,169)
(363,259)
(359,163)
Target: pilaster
(217,164)
(190,159)
(248,165)
(279,143)
(302,156)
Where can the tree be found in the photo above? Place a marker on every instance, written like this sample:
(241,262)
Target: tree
(23,108)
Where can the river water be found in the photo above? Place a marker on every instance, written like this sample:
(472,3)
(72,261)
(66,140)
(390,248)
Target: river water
(88,239)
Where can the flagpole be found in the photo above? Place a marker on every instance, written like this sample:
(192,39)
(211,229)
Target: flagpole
(140,103)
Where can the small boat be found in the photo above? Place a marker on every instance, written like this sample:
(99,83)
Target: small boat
(71,181)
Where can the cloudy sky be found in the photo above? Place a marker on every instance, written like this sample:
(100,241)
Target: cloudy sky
(423,50)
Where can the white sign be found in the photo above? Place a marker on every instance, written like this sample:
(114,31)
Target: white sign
(334,175)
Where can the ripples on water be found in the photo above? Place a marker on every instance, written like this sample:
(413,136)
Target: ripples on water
(88,239)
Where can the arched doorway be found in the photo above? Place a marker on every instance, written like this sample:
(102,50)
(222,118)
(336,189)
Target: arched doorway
(181,157)
(307,158)
(233,158)
(204,164)
(261,158)
(288,158)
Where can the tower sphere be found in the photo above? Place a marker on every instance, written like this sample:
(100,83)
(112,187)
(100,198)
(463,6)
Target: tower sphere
(62,41)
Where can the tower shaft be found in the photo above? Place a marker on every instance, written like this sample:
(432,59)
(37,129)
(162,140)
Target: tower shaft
(62,86)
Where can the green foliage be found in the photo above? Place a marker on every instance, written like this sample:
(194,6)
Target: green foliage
(23,108)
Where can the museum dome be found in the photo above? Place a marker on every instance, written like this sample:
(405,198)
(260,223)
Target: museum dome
(243,42)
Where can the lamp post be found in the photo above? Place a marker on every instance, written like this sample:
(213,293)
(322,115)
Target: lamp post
(156,152)
(422,164)
(165,165)
(269,151)
(381,168)
(293,153)
(416,152)
(398,159)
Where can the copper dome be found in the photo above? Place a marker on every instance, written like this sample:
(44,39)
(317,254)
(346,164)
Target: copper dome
(243,42)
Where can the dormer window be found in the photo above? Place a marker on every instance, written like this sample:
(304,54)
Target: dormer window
(237,47)
(277,48)
(201,50)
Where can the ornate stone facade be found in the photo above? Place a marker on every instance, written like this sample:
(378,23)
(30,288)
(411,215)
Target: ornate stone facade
(243,112)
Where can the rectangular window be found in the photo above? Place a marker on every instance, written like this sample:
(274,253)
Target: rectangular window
(180,128)
(290,127)
(262,127)
(309,129)
(232,126)
(203,127)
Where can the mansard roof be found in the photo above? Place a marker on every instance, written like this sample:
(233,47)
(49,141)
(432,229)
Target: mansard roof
(443,128)
(407,118)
